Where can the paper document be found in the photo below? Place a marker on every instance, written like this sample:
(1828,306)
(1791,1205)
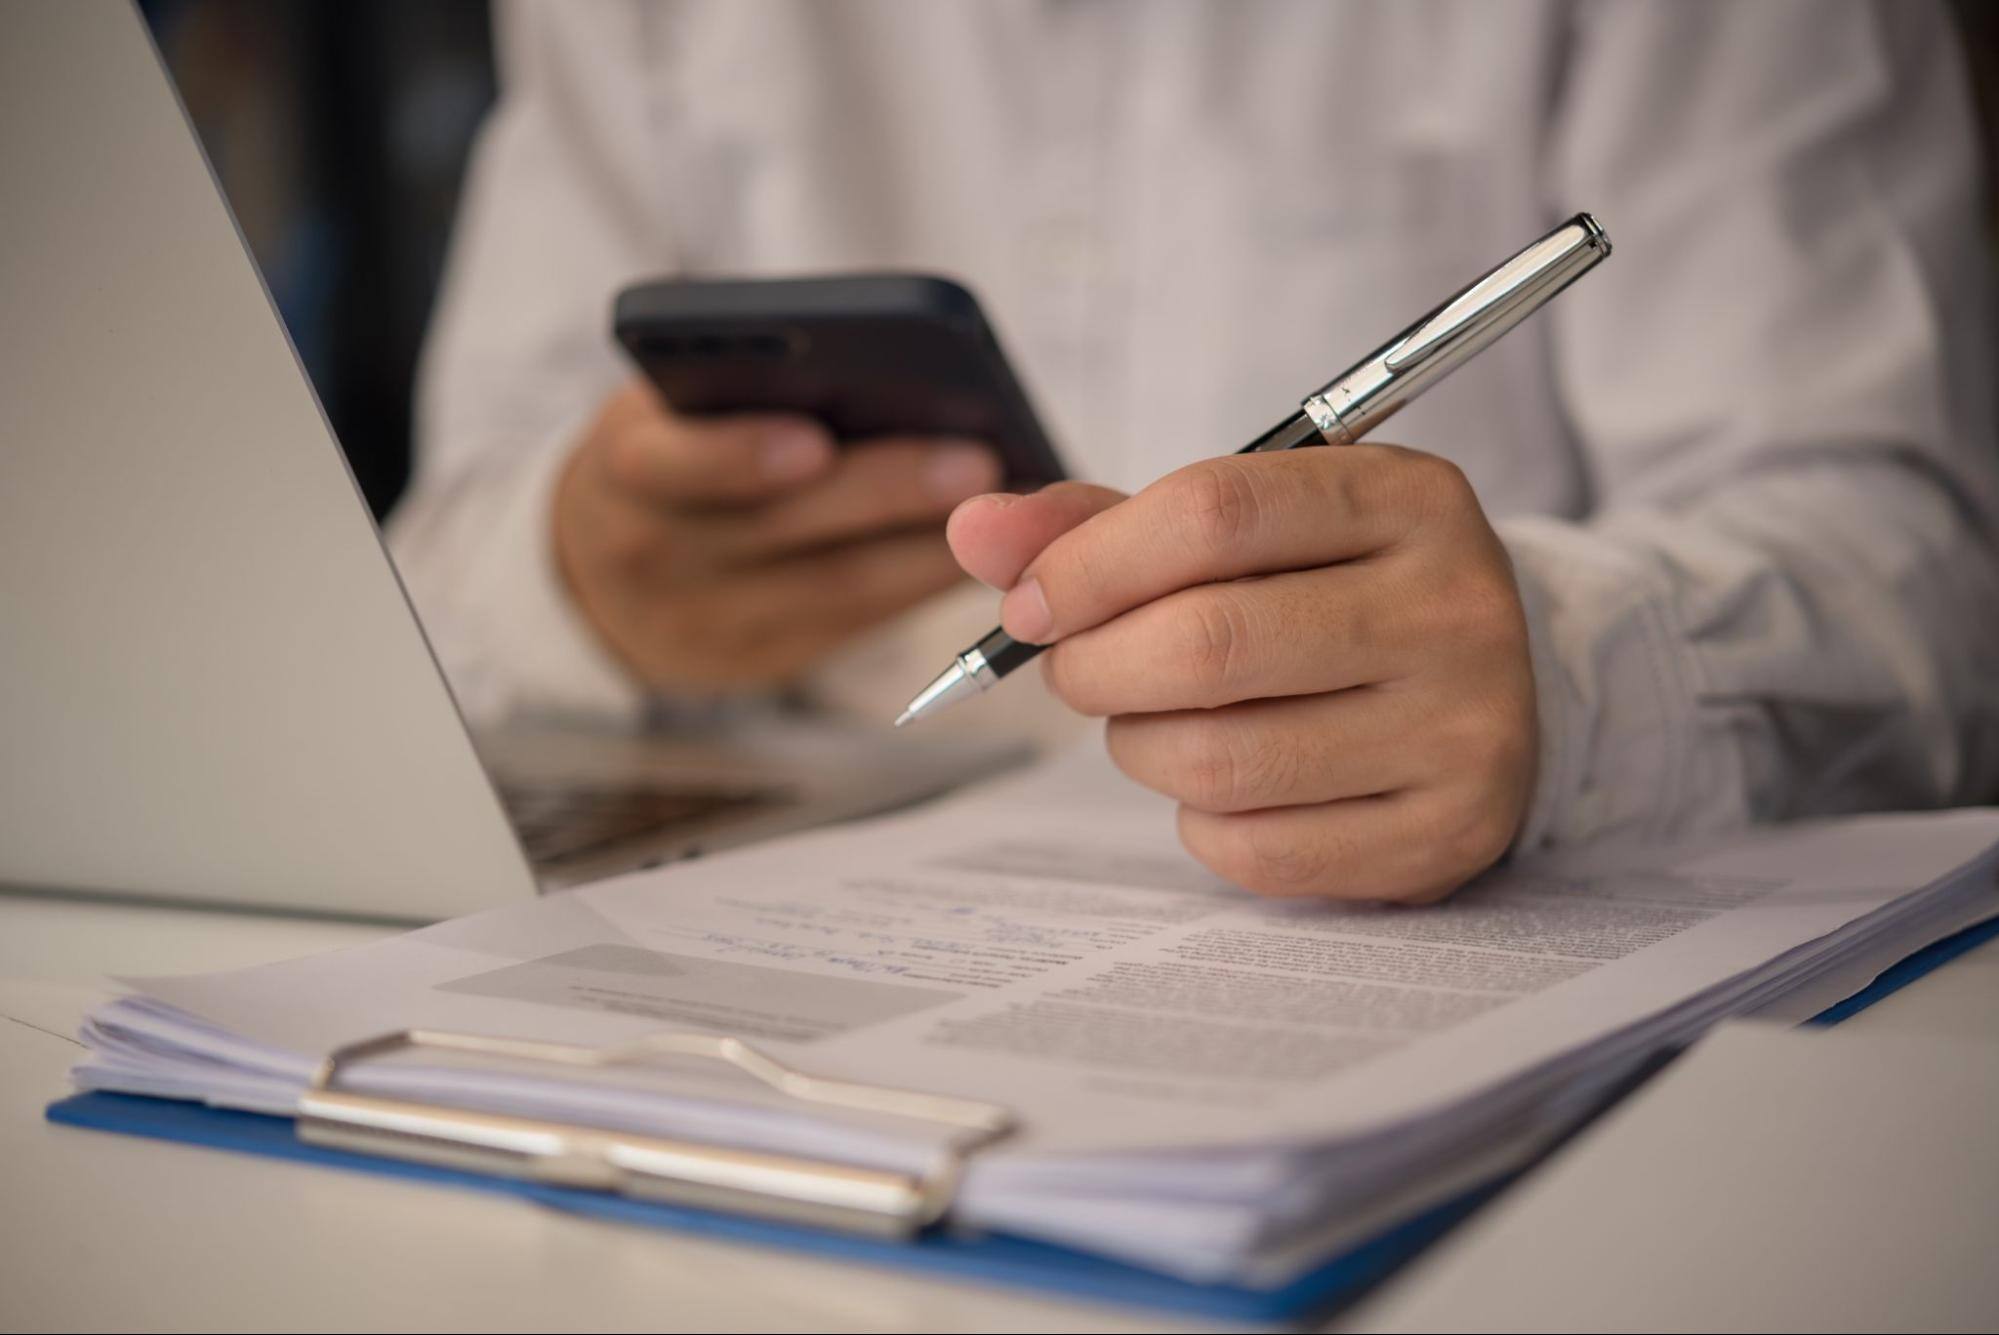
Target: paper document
(1204,1078)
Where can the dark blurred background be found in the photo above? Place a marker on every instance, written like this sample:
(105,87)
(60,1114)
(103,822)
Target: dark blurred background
(340,130)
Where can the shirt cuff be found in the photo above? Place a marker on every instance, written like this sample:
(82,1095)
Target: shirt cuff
(534,652)
(1617,693)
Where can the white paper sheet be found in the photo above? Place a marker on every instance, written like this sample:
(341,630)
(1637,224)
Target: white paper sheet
(1182,1054)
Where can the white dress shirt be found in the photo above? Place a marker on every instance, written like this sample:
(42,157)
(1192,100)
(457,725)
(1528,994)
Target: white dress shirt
(1746,469)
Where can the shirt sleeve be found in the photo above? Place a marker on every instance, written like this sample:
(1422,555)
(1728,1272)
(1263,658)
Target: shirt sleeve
(560,211)
(1785,600)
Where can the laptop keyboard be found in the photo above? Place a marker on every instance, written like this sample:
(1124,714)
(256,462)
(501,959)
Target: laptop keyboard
(558,822)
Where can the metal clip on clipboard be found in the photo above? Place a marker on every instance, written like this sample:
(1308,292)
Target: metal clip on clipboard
(876,1202)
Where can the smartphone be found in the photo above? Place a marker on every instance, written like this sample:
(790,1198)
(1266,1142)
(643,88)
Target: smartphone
(880,354)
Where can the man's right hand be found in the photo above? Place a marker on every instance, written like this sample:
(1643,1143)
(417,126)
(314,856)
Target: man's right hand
(726,554)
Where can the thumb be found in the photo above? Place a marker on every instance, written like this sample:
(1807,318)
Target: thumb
(995,536)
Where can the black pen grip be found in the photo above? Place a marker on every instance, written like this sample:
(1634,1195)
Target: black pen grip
(1003,653)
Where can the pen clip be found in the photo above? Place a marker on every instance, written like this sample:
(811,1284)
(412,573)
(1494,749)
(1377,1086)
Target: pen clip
(1518,282)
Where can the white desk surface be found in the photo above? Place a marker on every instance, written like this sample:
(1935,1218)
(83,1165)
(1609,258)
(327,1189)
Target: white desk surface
(105,1232)
(1831,1200)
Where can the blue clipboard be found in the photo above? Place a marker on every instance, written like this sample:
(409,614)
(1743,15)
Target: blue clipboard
(993,1258)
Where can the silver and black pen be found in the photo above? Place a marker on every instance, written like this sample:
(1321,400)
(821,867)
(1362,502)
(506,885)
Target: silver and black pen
(1354,402)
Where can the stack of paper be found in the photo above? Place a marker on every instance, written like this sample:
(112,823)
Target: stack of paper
(1208,1083)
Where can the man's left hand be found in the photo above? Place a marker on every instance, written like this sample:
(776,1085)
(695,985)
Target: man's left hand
(1320,654)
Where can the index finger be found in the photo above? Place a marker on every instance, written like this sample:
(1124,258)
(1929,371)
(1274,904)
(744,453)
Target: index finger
(648,451)
(1216,520)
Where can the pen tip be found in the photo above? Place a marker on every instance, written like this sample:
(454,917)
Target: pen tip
(904,717)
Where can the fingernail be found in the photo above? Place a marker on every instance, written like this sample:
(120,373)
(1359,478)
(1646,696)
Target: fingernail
(959,472)
(1025,615)
(990,500)
(792,453)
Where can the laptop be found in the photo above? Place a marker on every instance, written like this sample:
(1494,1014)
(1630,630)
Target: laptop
(212,685)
